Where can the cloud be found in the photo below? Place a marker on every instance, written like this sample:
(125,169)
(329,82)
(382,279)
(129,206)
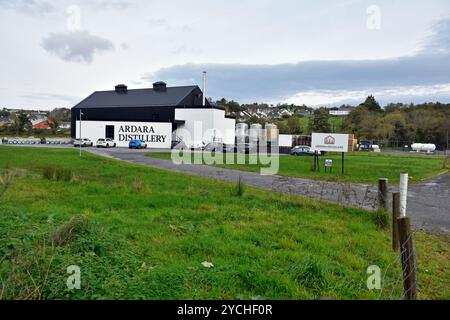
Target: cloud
(31,7)
(281,82)
(439,41)
(383,95)
(53,99)
(76,46)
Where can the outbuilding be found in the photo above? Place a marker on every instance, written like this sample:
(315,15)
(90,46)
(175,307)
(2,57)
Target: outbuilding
(157,115)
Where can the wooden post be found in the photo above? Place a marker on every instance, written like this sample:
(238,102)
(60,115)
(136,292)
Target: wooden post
(408,259)
(383,194)
(342,161)
(395,215)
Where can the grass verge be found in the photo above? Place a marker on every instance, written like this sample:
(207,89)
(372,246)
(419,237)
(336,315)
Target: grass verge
(142,233)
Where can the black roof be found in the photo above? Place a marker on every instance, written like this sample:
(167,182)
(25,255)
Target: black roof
(172,96)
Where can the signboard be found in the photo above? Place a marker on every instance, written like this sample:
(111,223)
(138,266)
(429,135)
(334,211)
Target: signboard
(328,163)
(333,142)
(154,134)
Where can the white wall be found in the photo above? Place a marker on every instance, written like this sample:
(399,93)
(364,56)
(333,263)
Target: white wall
(203,124)
(158,135)
(285,140)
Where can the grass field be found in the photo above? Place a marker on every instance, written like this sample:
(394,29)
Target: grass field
(142,233)
(359,166)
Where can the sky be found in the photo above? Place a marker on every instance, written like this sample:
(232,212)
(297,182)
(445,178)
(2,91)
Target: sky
(55,53)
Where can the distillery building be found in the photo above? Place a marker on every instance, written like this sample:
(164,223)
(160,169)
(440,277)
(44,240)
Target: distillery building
(157,115)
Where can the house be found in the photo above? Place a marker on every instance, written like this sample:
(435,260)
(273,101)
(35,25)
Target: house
(156,115)
(42,124)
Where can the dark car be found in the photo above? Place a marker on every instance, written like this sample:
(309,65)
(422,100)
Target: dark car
(303,151)
(365,145)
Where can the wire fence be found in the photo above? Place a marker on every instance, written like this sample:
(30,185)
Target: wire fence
(393,282)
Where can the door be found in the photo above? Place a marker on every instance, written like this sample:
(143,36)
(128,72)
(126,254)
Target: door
(109,132)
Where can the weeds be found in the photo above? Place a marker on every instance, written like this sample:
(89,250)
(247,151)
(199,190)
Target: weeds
(6,180)
(69,231)
(381,219)
(239,188)
(446,163)
(58,174)
(137,185)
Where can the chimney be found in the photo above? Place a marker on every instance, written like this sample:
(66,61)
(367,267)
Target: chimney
(204,88)
(121,88)
(160,86)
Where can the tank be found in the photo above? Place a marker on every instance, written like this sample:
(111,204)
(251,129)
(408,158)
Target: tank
(272,132)
(255,132)
(423,147)
(241,129)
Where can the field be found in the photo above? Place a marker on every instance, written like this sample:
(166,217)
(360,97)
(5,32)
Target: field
(359,166)
(142,233)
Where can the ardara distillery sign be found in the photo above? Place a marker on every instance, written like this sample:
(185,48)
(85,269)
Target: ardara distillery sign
(154,134)
(145,133)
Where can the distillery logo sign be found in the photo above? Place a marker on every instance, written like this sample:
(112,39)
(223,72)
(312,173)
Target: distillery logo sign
(145,133)
(333,142)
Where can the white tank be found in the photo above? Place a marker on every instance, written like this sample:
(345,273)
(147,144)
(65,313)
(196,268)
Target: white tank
(241,129)
(423,147)
(255,132)
(272,132)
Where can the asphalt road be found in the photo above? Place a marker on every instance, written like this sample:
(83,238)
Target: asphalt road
(428,201)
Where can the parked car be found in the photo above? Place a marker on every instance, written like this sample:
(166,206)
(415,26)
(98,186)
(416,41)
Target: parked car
(137,144)
(85,142)
(303,151)
(365,145)
(106,143)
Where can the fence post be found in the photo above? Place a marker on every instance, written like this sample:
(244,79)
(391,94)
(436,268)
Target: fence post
(395,215)
(408,259)
(382,194)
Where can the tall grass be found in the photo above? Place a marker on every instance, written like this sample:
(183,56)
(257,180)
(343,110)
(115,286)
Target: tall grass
(57,173)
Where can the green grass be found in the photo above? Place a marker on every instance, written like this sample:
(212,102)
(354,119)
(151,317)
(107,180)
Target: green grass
(142,233)
(359,166)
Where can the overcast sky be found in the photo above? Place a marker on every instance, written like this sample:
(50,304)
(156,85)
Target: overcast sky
(55,53)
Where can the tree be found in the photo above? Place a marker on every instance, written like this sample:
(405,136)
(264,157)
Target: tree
(294,126)
(371,104)
(319,122)
(54,124)
(21,123)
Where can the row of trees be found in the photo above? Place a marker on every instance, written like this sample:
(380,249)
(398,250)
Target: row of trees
(428,122)
(396,122)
